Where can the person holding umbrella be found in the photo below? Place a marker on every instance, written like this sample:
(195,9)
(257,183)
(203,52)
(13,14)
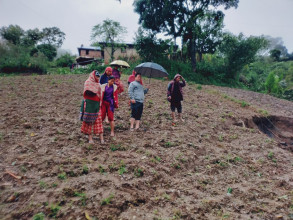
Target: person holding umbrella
(136,94)
(175,95)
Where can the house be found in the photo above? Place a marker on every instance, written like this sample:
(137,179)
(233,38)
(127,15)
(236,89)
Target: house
(89,54)
(125,50)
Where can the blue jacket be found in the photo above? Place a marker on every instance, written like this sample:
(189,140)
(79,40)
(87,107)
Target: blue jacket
(136,91)
(104,79)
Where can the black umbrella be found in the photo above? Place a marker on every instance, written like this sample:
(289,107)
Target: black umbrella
(150,69)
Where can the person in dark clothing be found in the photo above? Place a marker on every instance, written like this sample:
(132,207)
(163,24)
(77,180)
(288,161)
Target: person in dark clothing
(105,77)
(175,95)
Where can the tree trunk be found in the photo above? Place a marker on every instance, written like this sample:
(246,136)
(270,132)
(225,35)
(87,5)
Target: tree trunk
(200,56)
(112,52)
(193,55)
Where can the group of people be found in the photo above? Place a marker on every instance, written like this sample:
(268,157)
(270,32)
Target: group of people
(100,98)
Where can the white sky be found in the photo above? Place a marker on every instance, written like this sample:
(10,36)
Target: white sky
(77,17)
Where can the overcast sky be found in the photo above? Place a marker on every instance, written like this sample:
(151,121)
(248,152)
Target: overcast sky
(76,18)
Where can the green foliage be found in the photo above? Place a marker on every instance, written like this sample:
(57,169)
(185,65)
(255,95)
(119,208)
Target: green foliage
(239,51)
(275,54)
(48,50)
(17,59)
(85,169)
(54,210)
(107,200)
(39,216)
(31,37)
(271,83)
(209,32)
(138,172)
(62,176)
(149,47)
(12,34)
(17,36)
(65,60)
(53,36)
(109,32)
(82,196)
(180,19)
(122,168)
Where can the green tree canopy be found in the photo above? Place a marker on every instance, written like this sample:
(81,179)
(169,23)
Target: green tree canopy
(53,36)
(178,18)
(149,47)
(12,34)
(209,32)
(48,50)
(31,37)
(239,51)
(110,32)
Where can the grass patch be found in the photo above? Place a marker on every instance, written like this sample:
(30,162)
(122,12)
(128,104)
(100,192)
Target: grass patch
(39,216)
(107,200)
(62,176)
(138,172)
(82,196)
(85,169)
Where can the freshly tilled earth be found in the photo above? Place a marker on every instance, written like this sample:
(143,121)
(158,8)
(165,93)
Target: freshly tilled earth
(215,165)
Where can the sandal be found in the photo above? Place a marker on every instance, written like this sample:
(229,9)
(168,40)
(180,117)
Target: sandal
(131,129)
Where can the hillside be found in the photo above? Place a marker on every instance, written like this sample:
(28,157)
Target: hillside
(216,165)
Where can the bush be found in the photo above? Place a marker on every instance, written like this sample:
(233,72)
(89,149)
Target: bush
(17,59)
(65,60)
(272,84)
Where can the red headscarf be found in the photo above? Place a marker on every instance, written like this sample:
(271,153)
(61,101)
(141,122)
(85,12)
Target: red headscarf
(131,78)
(108,68)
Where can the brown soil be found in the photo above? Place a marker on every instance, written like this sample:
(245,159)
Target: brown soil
(216,165)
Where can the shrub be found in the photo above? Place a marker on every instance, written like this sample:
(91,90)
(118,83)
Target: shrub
(17,59)
(65,60)
(272,83)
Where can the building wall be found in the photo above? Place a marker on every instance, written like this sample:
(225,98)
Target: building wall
(128,52)
(91,53)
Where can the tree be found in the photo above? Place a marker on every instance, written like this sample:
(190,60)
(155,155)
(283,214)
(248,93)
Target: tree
(275,54)
(65,60)
(53,36)
(31,37)
(110,32)
(12,33)
(148,46)
(178,17)
(272,83)
(209,33)
(48,50)
(239,51)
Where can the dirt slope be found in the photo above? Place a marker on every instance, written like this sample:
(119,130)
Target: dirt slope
(216,165)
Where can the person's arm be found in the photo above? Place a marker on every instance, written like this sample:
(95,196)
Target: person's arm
(183,83)
(169,90)
(102,80)
(146,90)
(90,93)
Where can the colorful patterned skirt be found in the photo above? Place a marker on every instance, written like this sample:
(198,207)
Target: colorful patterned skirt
(89,111)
